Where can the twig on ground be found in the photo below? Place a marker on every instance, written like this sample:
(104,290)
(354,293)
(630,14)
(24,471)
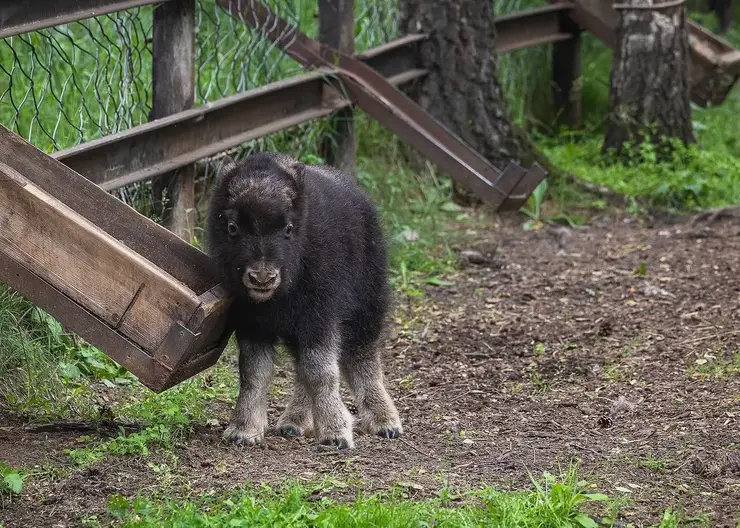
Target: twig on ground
(412,446)
(704,338)
(584,448)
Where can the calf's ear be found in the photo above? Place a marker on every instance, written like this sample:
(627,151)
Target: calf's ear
(227,165)
(298,170)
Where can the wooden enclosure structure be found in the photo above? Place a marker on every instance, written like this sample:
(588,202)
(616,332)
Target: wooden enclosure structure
(147,298)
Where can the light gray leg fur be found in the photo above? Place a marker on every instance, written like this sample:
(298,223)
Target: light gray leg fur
(318,371)
(364,374)
(256,366)
(297,420)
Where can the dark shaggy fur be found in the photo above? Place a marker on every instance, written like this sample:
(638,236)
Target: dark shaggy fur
(301,249)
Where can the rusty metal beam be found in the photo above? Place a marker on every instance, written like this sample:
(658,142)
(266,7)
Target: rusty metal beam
(23,16)
(531,28)
(166,144)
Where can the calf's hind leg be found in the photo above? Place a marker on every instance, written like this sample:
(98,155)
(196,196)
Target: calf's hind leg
(364,374)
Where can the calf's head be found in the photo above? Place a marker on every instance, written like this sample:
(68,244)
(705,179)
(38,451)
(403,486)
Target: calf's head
(255,224)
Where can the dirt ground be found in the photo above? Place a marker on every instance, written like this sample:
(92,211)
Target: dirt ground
(616,345)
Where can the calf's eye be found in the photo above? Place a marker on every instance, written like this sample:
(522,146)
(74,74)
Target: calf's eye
(288,230)
(233,229)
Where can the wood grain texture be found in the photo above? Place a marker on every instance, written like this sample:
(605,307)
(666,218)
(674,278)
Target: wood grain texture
(337,29)
(150,240)
(89,266)
(173,90)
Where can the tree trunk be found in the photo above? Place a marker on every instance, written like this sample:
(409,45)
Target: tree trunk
(462,90)
(649,93)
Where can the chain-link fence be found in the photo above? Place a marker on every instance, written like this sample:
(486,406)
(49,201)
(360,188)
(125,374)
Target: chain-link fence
(66,85)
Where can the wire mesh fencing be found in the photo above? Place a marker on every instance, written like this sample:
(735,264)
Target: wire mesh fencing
(73,83)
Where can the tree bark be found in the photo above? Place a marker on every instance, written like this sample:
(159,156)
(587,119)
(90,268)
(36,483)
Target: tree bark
(462,90)
(649,89)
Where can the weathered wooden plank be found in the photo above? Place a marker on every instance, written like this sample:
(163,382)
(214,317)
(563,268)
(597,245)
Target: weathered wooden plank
(173,90)
(532,27)
(74,318)
(22,16)
(89,266)
(154,148)
(153,242)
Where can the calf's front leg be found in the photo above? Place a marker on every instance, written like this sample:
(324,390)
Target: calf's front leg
(318,371)
(249,420)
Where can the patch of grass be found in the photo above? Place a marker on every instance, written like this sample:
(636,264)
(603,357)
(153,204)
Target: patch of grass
(138,443)
(48,373)
(711,367)
(692,178)
(702,176)
(613,373)
(550,502)
(675,518)
(166,417)
(36,357)
(654,464)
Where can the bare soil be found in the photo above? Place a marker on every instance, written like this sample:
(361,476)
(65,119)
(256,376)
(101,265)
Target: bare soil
(615,345)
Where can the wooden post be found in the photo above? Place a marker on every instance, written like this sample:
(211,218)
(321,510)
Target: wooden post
(566,73)
(337,29)
(723,11)
(173,75)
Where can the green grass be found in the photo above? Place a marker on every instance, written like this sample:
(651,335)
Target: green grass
(711,367)
(416,208)
(694,178)
(159,421)
(654,464)
(702,176)
(45,370)
(550,502)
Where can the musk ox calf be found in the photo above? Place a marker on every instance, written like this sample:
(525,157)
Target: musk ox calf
(301,250)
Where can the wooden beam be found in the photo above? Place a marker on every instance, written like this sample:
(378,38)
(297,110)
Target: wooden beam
(149,300)
(161,247)
(154,148)
(337,29)
(173,90)
(88,265)
(24,16)
(532,27)
(566,73)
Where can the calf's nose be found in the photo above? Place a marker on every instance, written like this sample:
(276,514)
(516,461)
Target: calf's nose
(262,276)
